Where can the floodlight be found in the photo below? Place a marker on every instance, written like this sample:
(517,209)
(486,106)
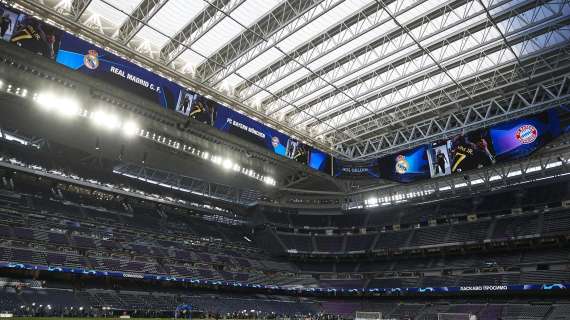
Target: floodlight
(130,128)
(269,180)
(47,101)
(216,160)
(227,164)
(106,120)
(67,107)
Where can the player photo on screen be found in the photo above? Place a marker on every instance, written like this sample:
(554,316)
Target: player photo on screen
(29,33)
(470,151)
(296,150)
(201,109)
(465,151)
(440,163)
(184,104)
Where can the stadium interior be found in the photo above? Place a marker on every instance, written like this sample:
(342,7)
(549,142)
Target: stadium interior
(285,159)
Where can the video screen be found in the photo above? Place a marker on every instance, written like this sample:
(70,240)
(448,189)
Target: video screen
(465,151)
(406,166)
(519,138)
(320,161)
(29,33)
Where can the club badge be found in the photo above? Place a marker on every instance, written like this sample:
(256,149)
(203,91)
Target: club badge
(91,59)
(402,164)
(526,134)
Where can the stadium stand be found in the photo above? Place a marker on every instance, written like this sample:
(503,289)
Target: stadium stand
(285,159)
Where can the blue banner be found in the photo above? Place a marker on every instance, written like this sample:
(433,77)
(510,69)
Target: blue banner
(519,138)
(406,166)
(83,56)
(349,169)
(462,289)
(320,161)
(463,152)
(237,124)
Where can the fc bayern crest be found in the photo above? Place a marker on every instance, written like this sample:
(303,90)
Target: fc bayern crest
(402,164)
(91,59)
(526,134)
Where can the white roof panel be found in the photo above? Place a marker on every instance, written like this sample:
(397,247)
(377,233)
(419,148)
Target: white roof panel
(172,17)
(253,10)
(227,29)
(116,12)
(262,61)
(154,37)
(217,37)
(176,14)
(324,22)
(189,57)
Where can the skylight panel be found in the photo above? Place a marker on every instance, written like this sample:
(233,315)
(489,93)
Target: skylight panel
(152,36)
(321,24)
(252,10)
(262,61)
(232,81)
(415,11)
(172,17)
(190,58)
(225,31)
(217,37)
(176,14)
(116,13)
(288,80)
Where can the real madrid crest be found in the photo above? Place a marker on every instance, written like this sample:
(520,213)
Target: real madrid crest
(91,59)
(526,134)
(402,164)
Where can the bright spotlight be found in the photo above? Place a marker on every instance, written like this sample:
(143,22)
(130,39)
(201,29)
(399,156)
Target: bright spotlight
(216,159)
(227,164)
(106,120)
(68,107)
(47,101)
(130,128)
(269,180)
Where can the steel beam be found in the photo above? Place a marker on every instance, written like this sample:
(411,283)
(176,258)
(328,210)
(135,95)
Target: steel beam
(547,164)
(289,17)
(505,106)
(140,17)
(197,28)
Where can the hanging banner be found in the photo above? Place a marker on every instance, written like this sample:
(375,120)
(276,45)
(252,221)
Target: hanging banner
(320,161)
(465,151)
(349,169)
(519,138)
(80,55)
(250,130)
(406,166)
(29,33)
